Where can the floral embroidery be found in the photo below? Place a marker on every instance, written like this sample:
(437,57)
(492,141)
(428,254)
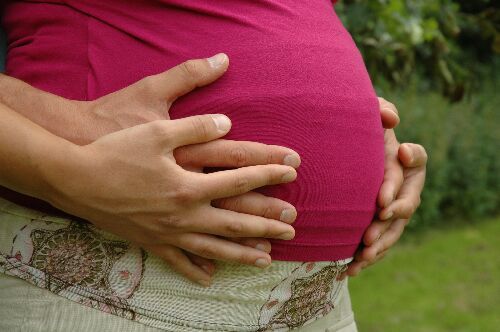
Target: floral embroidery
(76,258)
(306,295)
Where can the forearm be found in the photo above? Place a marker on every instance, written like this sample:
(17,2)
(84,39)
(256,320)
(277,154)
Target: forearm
(60,116)
(28,154)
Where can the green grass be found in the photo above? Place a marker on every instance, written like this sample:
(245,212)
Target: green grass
(447,279)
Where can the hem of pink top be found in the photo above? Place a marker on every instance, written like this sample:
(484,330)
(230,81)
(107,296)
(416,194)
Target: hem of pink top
(305,253)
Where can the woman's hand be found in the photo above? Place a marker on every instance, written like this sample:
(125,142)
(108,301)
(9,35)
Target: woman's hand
(399,196)
(129,183)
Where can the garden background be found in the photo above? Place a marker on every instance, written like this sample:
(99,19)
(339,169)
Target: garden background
(438,61)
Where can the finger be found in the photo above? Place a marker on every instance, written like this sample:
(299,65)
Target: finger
(257,243)
(195,129)
(206,264)
(388,113)
(388,238)
(188,76)
(212,247)
(233,224)
(180,263)
(258,205)
(242,180)
(412,155)
(408,199)
(393,171)
(227,153)
(353,269)
(375,231)
(377,259)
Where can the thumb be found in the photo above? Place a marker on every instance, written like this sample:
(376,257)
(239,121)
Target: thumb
(197,129)
(388,113)
(412,155)
(188,76)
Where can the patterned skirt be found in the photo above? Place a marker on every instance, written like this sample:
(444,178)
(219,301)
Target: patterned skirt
(79,262)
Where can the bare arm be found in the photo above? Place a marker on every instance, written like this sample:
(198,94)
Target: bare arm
(99,182)
(27,154)
(83,122)
(58,115)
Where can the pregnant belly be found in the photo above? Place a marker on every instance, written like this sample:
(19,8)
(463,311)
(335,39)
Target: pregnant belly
(324,109)
(296,79)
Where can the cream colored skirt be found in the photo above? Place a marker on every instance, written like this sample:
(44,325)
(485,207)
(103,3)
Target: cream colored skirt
(48,260)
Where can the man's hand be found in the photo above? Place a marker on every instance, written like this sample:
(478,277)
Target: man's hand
(399,196)
(149,100)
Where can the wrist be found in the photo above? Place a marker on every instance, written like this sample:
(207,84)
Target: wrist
(62,117)
(59,172)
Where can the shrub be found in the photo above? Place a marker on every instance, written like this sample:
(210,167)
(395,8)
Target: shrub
(442,40)
(462,142)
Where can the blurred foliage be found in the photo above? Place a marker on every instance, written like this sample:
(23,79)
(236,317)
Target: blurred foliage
(443,280)
(462,141)
(450,42)
(418,51)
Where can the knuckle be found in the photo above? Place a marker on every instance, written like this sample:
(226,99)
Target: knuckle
(275,175)
(246,257)
(267,211)
(185,193)
(147,85)
(234,228)
(208,251)
(232,203)
(267,230)
(270,157)
(159,128)
(171,221)
(190,70)
(238,156)
(159,132)
(242,184)
(200,127)
(167,254)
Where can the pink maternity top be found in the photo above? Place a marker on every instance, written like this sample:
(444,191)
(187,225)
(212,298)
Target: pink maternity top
(296,79)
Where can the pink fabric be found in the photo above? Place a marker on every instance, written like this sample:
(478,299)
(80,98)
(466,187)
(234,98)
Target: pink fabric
(296,79)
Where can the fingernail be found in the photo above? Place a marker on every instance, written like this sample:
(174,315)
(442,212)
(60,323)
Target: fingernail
(288,215)
(389,215)
(261,247)
(217,60)
(222,122)
(204,283)
(289,177)
(207,269)
(292,160)
(262,262)
(286,236)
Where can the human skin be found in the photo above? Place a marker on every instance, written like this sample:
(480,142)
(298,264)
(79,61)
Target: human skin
(131,178)
(83,122)
(398,199)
